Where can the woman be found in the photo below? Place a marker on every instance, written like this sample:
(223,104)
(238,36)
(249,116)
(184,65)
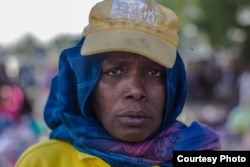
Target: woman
(118,92)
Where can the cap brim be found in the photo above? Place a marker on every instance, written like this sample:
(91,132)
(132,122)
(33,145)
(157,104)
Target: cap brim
(137,42)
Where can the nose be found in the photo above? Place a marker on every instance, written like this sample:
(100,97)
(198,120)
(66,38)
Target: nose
(136,88)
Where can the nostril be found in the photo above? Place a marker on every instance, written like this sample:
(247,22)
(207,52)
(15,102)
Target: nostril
(137,96)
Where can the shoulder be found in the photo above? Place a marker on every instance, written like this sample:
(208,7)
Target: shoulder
(54,153)
(54,146)
(46,153)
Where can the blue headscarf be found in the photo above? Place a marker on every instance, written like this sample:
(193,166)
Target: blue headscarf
(68,115)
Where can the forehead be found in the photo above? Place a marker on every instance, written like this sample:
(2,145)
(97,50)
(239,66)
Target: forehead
(115,57)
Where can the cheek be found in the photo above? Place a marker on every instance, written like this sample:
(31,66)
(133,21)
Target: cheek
(158,100)
(158,95)
(103,100)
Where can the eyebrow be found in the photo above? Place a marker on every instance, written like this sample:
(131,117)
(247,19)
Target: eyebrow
(120,61)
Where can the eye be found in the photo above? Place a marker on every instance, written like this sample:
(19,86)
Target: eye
(154,73)
(114,72)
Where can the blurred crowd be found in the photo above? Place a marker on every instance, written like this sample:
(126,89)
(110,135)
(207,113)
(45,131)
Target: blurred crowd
(218,95)
(23,92)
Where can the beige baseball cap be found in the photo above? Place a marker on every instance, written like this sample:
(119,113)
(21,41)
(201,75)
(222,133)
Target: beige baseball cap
(138,26)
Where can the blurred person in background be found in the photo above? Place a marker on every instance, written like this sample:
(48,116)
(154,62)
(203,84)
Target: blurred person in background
(17,127)
(239,116)
(118,92)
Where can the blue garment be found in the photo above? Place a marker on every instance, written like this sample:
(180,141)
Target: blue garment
(68,115)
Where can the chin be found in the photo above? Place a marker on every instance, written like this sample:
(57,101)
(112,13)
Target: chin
(133,138)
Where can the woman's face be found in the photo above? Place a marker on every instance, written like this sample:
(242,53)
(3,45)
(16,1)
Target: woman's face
(129,97)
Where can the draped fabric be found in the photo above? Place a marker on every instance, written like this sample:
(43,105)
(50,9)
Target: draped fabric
(68,115)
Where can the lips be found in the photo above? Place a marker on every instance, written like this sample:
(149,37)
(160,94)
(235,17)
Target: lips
(134,118)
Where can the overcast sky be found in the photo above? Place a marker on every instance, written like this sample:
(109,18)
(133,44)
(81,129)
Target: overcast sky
(44,19)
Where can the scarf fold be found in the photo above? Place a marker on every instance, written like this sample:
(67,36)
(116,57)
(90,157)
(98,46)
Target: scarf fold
(159,149)
(68,115)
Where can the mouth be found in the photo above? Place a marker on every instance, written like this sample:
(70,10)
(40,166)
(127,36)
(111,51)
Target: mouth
(134,119)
